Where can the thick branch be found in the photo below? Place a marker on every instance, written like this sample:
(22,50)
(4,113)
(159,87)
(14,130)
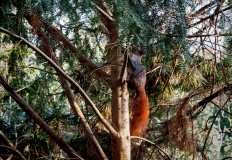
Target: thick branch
(120,96)
(26,108)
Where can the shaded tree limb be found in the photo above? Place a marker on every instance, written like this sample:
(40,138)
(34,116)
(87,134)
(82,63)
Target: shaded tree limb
(67,88)
(7,142)
(53,64)
(26,108)
(207,100)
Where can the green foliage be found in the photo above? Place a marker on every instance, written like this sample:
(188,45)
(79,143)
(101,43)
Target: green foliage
(178,66)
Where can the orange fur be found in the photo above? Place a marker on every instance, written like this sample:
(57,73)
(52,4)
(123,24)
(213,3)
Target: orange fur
(140,114)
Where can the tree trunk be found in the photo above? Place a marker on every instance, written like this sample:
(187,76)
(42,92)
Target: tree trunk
(120,97)
(120,113)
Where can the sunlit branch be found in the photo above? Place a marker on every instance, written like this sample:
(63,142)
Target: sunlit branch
(53,64)
(105,14)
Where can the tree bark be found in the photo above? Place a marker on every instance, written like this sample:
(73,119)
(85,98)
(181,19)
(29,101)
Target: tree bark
(120,97)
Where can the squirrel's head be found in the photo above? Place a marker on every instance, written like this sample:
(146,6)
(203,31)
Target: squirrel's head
(137,51)
(135,56)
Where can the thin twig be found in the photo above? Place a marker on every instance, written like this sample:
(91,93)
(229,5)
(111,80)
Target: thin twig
(105,14)
(208,35)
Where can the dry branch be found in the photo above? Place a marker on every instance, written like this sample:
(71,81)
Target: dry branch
(201,10)
(158,147)
(209,17)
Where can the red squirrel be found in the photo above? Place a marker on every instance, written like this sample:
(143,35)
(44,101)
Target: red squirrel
(139,104)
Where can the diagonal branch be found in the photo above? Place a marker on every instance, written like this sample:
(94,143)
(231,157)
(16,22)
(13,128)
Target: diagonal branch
(201,10)
(209,17)
(54,65)
(105,14)
(66,86)
(58,35)
(158,147)
(208,99)
(215,117)
(26,108)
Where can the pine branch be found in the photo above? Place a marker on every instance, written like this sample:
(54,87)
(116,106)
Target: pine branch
(67,88)
(58,35)
(81,91)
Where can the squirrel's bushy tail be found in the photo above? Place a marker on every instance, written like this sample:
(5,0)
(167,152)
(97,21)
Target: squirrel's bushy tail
(140,114)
